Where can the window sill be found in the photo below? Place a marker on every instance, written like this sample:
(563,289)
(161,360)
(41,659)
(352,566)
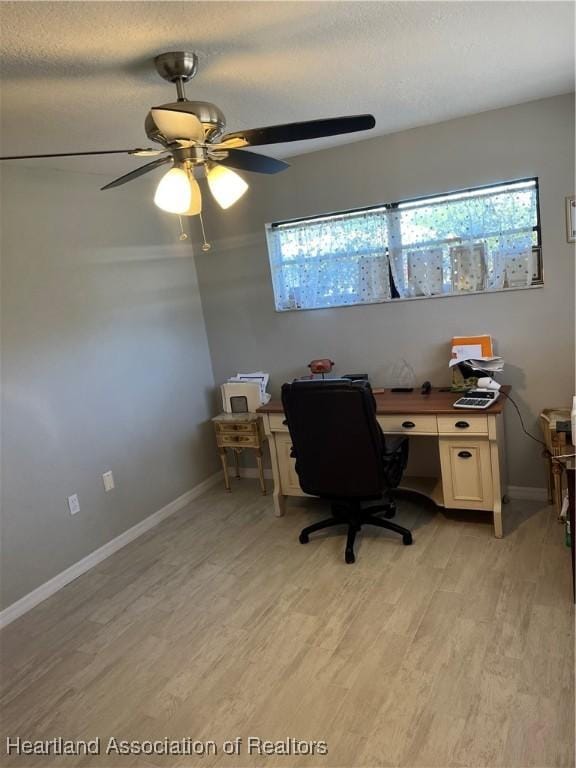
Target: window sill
(413,298)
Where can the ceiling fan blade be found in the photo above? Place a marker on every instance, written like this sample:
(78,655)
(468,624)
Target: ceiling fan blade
(250,161)
(174,124)
(310,129)
(138,172)
(84,154)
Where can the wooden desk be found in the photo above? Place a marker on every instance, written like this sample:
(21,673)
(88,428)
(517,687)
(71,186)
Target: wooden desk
(470,445)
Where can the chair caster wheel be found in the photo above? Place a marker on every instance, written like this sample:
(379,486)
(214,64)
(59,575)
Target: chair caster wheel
(390,512)
(407,539)
(303,538)
(349,556)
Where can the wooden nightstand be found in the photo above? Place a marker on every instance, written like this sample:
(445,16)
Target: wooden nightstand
(239,431)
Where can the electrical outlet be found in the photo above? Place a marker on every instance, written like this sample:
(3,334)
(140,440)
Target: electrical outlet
(108,480)
(73,504)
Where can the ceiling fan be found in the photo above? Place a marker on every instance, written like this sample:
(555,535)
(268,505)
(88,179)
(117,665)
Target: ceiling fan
(191,134)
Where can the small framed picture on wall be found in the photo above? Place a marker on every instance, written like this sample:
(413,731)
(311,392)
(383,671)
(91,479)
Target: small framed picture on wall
(571,219)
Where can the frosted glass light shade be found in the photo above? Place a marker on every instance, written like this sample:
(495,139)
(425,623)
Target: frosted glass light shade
(174,192)
(195,206)
(226,186)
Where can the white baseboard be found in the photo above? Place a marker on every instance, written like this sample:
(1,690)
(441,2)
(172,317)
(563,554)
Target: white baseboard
(527,493)
(38,595)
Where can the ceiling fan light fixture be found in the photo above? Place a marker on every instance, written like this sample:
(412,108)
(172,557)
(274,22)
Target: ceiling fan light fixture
(174,191)
(195,206)
(226,186)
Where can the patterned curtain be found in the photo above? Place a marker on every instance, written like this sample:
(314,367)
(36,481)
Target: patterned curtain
(335,261)
(452,244)
(479,241)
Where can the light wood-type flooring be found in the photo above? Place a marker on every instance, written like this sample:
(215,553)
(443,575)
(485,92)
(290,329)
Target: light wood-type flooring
(457,651)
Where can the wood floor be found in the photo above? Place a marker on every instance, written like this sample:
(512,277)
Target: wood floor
(457,651)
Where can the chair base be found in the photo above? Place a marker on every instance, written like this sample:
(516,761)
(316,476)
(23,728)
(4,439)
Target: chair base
(352,515)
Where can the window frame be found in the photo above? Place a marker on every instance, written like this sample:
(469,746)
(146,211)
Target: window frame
(538,274)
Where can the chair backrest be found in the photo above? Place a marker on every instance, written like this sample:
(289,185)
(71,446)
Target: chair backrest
(336,439)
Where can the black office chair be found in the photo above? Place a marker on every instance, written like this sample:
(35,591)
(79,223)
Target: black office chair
(342,456)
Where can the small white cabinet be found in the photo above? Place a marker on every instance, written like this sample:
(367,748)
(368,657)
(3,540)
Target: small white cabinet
(466,473)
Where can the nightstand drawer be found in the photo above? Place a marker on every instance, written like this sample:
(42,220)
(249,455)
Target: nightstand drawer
(409,425)
(248,428)
(230,440)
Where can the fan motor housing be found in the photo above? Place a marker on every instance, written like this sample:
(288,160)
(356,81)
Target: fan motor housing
(211,117)
(176,65)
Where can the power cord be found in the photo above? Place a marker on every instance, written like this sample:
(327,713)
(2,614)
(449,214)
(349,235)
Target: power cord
(529,434)
(546,451)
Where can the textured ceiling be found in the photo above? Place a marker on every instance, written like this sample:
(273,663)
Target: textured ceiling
(79,75)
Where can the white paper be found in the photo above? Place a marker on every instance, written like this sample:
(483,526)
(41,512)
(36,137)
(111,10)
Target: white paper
(462,352)
(257,377)
(480,363)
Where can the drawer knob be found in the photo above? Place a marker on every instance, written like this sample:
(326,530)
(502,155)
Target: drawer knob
(462,424)
(285,422)
(465,455)
(408,424)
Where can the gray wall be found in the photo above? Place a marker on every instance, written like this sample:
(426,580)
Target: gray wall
(533,329)
(105,365)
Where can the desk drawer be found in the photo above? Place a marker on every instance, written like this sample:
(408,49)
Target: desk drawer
(463,425)
(407,424)
(277,422)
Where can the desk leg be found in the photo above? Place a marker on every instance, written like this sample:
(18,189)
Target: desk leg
(236,453)
(497,511)
(261,471)
(495,438)
(279,503)
(222,452)
(277,495)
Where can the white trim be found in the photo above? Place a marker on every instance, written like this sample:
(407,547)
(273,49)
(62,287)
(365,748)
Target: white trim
(527,493)
(49,588)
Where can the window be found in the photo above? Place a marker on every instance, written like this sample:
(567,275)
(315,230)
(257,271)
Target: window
(485,239)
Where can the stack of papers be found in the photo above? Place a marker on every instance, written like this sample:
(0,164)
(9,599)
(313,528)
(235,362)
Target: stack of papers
(481,363)
(476,352)
(258,377)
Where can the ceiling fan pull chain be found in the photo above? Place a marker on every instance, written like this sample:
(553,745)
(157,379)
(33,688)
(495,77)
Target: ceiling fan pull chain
(183,235)
(205,245)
